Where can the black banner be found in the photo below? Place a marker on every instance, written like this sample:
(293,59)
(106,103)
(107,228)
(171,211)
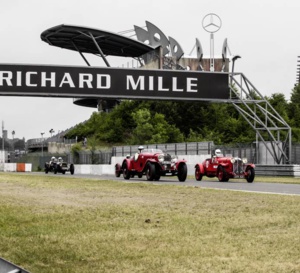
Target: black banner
(92,82)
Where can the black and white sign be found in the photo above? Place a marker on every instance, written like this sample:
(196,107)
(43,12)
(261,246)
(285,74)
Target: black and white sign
(87,82)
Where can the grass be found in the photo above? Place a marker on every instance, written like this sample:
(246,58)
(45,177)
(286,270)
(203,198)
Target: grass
(61,224)
(264,179)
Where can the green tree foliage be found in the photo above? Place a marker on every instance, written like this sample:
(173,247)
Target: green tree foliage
(146,122)
(153,129)
(75,150)
(280,104)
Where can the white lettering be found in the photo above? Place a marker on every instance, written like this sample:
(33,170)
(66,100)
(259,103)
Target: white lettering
(174,84)
(44,79)
(85,78)
(134,85)
(29,78)
(190,84)
(67,80)
(19,78)
(151,83)
(6,76)
(103,78)
(160,85)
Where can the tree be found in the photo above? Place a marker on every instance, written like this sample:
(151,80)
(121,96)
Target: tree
(280,104)
(153,129)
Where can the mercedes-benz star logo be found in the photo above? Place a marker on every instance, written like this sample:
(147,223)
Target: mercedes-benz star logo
(211,23)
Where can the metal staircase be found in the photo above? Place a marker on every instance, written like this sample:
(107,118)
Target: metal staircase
(270,127)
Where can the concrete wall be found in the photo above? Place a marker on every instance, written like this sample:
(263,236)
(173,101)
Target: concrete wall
(94,169)
(263,170)
(192,160)
(3,157)
(58,148)
(16,167)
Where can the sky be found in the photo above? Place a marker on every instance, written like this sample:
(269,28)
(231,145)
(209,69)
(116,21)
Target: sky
(265,33)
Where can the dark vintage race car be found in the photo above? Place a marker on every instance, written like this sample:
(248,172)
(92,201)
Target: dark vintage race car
(153,163)
(225,168)
(58,166)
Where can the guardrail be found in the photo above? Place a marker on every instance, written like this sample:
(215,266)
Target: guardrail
(278,170)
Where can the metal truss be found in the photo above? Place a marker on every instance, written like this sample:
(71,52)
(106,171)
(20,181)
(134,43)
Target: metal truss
(269,126)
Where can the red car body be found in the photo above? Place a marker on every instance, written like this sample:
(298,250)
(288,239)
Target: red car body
(225,168)
(153,163)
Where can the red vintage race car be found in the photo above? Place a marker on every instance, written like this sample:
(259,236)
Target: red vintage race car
(225,168)
(153,163)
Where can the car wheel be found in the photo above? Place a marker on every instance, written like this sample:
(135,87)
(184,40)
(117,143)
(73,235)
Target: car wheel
(250,175)
(150,172)
(55,170)
(126,172)
(198,174)
(182,172)
(157,177)
(221,173)
(72,169)
(46,169)
(117,170)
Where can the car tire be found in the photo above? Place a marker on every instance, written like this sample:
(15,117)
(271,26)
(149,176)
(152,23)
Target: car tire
(198,174)
(72,169)
(221,174)
(117,170)
(182,172)
(157,177)
(250,175)
(150,171)
(126,172)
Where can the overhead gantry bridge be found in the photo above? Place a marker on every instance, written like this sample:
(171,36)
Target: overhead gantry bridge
(163,72)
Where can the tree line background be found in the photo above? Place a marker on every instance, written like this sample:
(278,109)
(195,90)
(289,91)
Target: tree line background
(148,122)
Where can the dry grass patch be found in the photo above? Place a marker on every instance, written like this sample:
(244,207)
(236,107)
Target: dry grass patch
(61,224)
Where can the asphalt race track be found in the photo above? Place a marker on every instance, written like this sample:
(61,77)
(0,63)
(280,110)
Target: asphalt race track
(256,186)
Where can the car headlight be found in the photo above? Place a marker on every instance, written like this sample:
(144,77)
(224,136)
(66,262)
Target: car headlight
(161,157)
(174,158)
(232,160)
(245,160)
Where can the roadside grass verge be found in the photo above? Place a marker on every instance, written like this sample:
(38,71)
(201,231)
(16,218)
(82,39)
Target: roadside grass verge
(61,224)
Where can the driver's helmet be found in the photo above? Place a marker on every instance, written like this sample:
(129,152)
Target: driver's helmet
(140,148)
(52,158)
(60,159)
(218,153)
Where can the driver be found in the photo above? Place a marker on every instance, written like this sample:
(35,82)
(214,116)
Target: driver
(136,156)
(218,153)
(52,160)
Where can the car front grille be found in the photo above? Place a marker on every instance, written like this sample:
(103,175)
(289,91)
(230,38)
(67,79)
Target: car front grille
(238,166)
(167,157)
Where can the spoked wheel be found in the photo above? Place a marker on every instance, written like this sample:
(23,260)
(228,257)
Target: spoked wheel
(198,174)
(182,172)
(221,173)
(126,172)
(150,172)
(250,175)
